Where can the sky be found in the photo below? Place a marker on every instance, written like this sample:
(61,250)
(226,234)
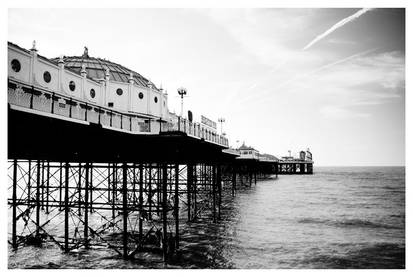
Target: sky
(332,80)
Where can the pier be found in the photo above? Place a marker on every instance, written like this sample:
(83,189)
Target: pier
(80,148)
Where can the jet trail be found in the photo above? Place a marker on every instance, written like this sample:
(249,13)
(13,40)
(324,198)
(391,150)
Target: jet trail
(339,24)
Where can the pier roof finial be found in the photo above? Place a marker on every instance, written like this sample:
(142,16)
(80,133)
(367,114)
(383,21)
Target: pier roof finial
(85,53)
(34,46)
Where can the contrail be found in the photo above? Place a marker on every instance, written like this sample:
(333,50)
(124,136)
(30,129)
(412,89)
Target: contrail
(327,66)
(337,25)
(309,73)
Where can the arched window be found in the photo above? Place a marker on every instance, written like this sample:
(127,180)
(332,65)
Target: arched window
(155,99)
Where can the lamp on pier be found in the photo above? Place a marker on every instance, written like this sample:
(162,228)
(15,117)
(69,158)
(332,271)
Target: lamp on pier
(221,120)
(182,92)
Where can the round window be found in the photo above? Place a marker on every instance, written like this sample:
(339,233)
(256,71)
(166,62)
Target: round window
(140,95)
(119,91)
(92,93)
(15,65)
(155,99)
(72,86)
(47,77)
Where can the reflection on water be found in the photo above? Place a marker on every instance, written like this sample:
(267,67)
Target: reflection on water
(336,218)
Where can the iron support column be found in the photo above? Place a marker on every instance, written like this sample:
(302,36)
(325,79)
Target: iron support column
(125,210)
(29,183)
(164,212)
(176,206)
(66,207)
(219,183)
(47,186)
(140,201)
(86,219)
(189,171)
(214,180)
(14,197)
(38,199)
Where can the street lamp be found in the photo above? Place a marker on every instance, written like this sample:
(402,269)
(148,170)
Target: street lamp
(182,92)
(221,120)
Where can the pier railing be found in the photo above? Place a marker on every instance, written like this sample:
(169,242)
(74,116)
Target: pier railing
(50,102)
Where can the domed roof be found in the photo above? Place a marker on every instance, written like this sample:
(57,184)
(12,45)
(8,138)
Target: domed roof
(96,69)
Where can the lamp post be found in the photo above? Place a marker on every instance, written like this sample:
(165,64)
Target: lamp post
(221,120)
(182,92)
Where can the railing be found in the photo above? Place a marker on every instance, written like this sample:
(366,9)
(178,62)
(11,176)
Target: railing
(194,129)
(55,103)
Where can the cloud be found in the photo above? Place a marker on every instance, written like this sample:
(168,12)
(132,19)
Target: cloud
(341,112)
(339,24)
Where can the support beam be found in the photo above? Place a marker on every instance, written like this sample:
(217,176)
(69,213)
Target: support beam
(125,209)
(38,199)
(214,180)
(60,186)
(29,184)
(219,185)
(47,186)
(66,246)
(140,201)
(164,212)
(189,183)
(150,191)
(91,187)
(79,190)
(176,206)
(14,205)
(86,212)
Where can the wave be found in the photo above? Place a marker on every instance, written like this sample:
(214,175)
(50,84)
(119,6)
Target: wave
(350,223)
(371,256)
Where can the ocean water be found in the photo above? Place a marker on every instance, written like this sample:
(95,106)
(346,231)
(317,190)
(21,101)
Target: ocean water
(340,217)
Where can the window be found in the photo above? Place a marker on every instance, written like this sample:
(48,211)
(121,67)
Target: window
(72,86)
(155,99)
(15,65)
(92,93)
(110,104)
(119,91)
(47,77)
(164,103)
(140,95)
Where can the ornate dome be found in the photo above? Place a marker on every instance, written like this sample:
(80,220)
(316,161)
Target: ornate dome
(96,69)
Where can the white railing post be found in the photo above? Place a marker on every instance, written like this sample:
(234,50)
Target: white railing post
(61,64)
(33,61)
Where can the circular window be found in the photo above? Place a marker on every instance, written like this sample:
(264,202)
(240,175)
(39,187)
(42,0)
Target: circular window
(72,85)
(15,65)
(47,77)
(155,99)
(140,95)
(119,91)
(92,93)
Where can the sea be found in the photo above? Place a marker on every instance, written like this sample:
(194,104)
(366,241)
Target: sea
(339,217)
